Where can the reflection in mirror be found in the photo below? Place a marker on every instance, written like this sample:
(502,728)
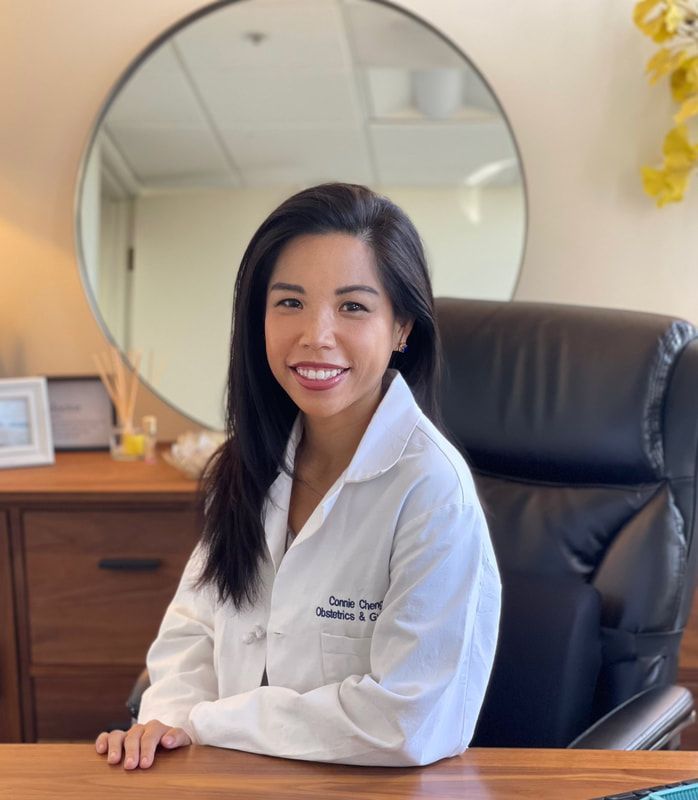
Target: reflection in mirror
(244,105)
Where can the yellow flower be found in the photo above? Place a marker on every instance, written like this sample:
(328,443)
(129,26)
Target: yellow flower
(678,151)
(676,23)
(689,108)
(673,17)
(657,18)
(666,186)
(665,61)
(684,80)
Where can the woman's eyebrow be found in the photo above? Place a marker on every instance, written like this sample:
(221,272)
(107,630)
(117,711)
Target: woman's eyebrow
(294,287)
(355,288)
(287,287)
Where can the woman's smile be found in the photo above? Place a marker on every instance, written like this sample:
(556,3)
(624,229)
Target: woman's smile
(318,377)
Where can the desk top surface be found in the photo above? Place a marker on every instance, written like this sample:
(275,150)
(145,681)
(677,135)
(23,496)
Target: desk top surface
(93,474)
(75,771)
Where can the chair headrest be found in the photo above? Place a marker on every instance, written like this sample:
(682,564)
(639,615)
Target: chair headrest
(555,392)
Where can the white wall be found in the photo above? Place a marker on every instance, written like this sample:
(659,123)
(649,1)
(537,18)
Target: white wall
(570,76)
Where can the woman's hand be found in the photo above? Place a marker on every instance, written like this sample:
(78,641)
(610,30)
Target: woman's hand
(139,743)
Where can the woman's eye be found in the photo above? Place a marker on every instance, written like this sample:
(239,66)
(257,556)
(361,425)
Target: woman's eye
(350,305)
(289,302)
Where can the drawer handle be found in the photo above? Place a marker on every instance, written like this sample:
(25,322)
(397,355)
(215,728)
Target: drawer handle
(131,564)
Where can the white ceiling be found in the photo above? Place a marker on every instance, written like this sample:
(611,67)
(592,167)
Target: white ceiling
(295,92)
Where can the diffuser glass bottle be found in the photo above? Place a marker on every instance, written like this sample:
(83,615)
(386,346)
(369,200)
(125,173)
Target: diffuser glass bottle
(126,443)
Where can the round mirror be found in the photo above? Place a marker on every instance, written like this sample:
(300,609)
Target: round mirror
(247,102)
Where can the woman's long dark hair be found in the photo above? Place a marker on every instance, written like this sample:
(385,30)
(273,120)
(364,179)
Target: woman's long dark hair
(259,413)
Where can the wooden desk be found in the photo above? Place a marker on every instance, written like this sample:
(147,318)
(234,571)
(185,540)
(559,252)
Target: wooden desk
(76,772)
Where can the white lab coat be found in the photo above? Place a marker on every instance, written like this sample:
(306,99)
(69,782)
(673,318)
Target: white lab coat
(378,627)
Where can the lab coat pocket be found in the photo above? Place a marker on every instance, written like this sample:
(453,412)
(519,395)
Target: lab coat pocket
(345,655)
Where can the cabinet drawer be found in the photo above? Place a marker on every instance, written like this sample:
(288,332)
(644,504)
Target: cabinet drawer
(83,608)
(81,706)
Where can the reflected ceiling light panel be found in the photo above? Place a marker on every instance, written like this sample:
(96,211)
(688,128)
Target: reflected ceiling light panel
(469,194)
(488,172)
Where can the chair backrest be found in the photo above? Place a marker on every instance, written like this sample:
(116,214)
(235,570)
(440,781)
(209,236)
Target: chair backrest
(581,427)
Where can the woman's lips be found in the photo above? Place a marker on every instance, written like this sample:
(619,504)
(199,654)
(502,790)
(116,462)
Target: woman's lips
(317,384)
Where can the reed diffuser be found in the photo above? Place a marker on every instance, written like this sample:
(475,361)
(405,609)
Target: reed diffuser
(121,383)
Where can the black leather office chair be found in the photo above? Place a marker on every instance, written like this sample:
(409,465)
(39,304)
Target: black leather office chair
(581,427)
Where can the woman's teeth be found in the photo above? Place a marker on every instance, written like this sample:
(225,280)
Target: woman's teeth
(318,374)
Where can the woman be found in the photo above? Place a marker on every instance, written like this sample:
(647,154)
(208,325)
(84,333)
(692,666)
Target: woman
(343,603)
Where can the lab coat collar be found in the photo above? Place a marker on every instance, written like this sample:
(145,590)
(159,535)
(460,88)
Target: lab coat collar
(388,432)
(380,448)
(383,441)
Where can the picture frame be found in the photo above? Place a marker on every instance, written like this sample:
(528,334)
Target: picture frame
(82,413)
(25,423)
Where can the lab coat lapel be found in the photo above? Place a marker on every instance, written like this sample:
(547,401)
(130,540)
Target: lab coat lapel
(320,513)
(276,517)
(279,501)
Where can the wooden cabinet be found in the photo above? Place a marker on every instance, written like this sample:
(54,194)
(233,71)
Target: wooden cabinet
(91,551)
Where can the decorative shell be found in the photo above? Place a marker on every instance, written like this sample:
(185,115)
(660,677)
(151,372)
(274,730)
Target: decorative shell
(191,452)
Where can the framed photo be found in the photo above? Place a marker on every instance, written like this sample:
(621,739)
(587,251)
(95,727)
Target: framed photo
(82,415)
(25,423)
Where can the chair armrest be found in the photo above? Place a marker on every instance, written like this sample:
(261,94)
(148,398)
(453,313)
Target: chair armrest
(648,721)
(133,703)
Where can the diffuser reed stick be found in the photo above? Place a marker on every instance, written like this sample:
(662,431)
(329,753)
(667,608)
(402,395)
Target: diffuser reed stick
(135,359)
(120,382)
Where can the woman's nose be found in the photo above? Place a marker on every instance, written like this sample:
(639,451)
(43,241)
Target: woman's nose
(318,331)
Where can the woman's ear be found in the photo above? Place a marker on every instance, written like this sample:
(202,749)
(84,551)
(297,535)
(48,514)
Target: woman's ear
(403,328)
(406,328)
